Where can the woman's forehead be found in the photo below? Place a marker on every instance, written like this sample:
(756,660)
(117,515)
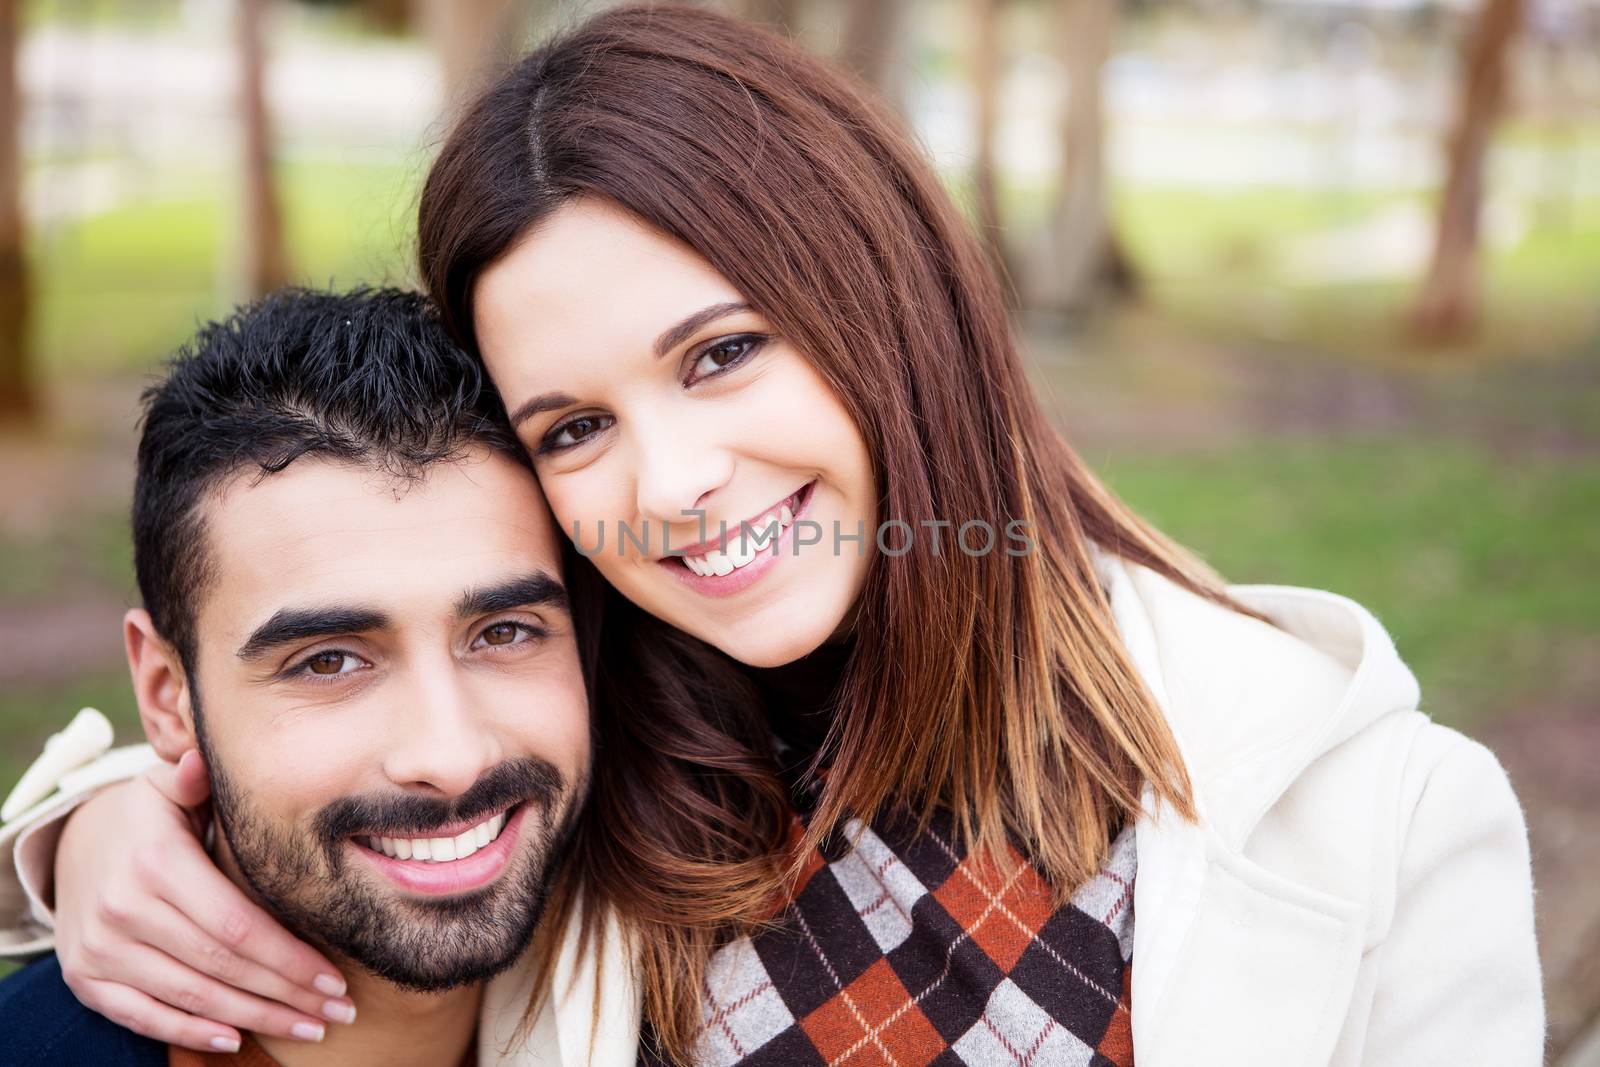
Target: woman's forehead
(591,281)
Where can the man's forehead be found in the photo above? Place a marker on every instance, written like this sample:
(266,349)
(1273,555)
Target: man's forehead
(336,532)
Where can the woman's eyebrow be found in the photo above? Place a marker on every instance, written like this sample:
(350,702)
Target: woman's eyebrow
(539,404)
(675,335)
(671,338)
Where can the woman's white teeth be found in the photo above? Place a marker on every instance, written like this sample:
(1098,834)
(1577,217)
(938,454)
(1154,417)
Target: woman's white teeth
(743,550)
(440,849)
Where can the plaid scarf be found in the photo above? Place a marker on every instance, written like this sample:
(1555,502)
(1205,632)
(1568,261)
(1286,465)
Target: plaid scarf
(895,948)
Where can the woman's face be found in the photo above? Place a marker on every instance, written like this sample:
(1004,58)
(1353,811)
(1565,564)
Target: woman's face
(649,395)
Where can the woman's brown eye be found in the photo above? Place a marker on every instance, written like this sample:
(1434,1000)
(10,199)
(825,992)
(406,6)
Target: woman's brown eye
(573,433)
(500,634)
(724,355)
(327,662)
(727,352)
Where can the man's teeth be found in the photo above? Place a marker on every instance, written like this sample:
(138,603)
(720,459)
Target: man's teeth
(743,550)
(440,849)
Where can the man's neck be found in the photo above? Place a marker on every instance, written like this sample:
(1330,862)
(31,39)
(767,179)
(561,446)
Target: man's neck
(393,1028)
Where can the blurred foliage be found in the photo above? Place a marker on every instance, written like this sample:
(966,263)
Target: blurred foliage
(117,291)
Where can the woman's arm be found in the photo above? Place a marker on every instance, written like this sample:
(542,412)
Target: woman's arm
(75,764)
(153,936)
(1458,977)
(148,931)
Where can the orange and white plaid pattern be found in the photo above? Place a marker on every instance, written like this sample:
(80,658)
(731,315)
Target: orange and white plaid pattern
(897,949)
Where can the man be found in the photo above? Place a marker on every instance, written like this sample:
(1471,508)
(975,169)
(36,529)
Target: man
(353,608)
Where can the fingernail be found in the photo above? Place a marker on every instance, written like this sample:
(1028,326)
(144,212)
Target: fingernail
(225,1044)
(330,985)
(307,1031)
(339,1011)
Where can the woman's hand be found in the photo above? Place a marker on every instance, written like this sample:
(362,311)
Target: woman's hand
(154,937)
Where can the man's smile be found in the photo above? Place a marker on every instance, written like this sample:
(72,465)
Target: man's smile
(443,845)
(445,865)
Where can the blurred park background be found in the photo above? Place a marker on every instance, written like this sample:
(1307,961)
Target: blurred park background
(1314,283)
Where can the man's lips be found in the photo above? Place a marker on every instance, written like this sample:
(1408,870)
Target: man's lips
(449,829)
(431,877)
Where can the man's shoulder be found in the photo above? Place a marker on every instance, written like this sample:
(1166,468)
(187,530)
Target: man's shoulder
(43,1025)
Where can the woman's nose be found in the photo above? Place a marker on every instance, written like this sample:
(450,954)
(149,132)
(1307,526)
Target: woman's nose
(677,473)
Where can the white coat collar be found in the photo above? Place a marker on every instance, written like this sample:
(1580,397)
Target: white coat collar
(1219,938)
(592,1020)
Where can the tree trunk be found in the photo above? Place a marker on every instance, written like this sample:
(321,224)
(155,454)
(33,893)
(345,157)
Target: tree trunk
(17,397)
(389,16)
(1449,305)
(986,100)
(476,40)
(266,261)
(1081,262)
(871,42)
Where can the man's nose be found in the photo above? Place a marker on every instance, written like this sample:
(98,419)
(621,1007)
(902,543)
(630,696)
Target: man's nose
(440,739)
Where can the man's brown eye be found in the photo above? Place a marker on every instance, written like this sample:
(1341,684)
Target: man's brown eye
(501,633)
(327,662)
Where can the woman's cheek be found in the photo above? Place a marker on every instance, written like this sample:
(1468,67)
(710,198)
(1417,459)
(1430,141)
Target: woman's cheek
(578,514)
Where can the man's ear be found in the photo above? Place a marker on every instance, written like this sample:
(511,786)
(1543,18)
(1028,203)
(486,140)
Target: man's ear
(159,685)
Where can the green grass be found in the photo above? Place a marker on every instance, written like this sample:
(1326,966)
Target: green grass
(119,290)
(1479,566)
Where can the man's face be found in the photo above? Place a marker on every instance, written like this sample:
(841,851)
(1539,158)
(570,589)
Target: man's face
(387,692)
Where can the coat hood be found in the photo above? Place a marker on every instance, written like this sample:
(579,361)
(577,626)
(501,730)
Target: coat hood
(1253,704)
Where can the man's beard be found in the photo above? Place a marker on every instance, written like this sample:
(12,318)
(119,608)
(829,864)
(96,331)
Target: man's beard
(428,945)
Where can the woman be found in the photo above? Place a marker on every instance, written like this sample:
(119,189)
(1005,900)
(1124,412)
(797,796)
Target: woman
(712,282)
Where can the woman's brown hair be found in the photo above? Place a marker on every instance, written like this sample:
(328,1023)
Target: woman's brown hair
(995,686)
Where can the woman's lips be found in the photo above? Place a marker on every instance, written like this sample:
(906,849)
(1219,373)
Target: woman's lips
(735,532)
(741,578)
(450,877)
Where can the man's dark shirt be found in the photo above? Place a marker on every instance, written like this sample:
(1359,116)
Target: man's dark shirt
(43,1025)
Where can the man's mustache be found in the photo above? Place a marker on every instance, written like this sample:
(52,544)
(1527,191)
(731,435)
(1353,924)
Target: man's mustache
(401,815)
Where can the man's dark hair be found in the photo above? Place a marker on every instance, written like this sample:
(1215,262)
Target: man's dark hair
(366,377)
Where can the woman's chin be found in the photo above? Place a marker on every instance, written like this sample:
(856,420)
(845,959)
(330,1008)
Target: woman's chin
(762,645)
(759,631)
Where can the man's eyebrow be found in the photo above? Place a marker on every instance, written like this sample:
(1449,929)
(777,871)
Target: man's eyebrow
(674,336)
(298,624)
(524,591)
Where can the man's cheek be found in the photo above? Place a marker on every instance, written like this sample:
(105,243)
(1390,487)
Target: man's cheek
(576,745)
(555,729)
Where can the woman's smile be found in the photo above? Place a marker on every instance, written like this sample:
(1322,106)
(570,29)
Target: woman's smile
(732,562)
